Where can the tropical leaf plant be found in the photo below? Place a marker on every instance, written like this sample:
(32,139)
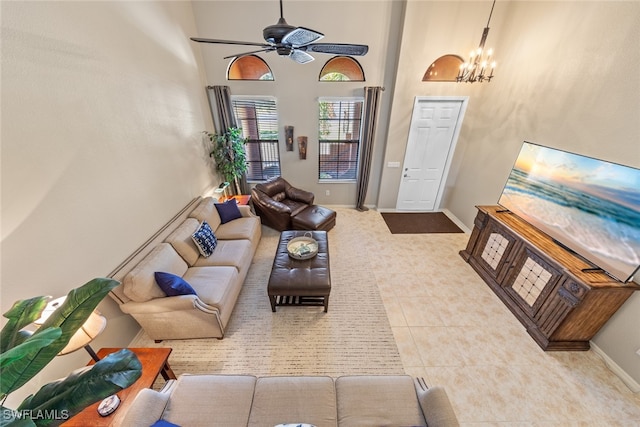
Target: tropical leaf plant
(25,354)
(228,151)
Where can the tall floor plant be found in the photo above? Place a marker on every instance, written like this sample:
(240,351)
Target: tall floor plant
(24,354)
(228,151)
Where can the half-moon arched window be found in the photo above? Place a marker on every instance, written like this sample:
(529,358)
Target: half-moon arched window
(249,67)
(342,68)
(443,69)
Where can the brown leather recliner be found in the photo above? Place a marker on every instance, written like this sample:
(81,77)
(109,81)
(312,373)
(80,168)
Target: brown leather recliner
(276,202)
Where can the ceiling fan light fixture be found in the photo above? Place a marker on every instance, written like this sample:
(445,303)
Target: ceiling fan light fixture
(291,41)
(301,36)
(301,57)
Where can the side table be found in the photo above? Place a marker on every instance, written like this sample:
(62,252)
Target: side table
(154,362)
(241,199)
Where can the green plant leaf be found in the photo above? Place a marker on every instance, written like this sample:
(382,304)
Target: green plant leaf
(28,348)
(85,386)
(228,151)
(21,314)
(69,317)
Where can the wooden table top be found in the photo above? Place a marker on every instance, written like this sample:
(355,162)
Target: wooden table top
(153,360)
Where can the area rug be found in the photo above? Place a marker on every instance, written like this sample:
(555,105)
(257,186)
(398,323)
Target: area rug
(419,222)
(354,337)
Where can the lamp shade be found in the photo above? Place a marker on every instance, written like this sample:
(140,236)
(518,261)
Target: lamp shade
(93,327)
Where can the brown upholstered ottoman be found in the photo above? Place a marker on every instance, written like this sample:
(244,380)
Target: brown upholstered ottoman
(314,217)
(300,282)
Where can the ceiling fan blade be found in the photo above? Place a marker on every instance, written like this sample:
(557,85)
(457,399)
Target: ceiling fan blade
(218,41)
(337,48)
(301,36)
(300,56)
(237,55)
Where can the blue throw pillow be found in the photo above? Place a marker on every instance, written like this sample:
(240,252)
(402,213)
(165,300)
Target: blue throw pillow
(228,211)
(173,285)
(204,239)
(163,423)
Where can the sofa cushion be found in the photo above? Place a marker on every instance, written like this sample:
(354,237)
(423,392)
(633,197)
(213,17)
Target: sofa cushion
(182,241)
(241,228)
(378,401)
(228,211)
(212,284)
(211,400)
(206,211)
(173,285)
(140,284)
(281,400)
(235,253)
(204,239)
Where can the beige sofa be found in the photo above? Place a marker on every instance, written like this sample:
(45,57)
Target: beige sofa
(217,279)
(244,400)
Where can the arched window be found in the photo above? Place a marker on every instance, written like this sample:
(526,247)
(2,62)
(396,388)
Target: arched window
(249,67)
(342,68)
(443,69)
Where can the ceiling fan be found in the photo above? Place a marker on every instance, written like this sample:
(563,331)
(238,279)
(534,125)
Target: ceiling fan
(293,42)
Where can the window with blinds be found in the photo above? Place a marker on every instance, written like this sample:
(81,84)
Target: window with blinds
(339,124)
(258,119)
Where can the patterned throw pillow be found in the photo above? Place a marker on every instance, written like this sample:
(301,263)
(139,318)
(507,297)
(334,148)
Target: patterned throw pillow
(204,239)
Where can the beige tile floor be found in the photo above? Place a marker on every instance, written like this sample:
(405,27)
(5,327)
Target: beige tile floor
(453,331)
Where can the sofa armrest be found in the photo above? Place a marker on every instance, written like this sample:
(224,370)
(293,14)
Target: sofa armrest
(245,211)
(148,406)
(300,195)
(275,206)
(436,407)
(161,305)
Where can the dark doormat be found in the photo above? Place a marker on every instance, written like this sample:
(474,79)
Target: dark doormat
(419,222)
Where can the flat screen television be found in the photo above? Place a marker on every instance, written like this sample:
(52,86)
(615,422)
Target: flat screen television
(590,206)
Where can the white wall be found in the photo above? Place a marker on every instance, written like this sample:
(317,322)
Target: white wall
(567,77)
(296,86)
(102,108)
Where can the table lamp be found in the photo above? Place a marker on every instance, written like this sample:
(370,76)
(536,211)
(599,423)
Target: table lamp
(222,191)
(93,327)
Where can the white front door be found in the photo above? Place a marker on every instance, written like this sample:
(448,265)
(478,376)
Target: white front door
(434,130)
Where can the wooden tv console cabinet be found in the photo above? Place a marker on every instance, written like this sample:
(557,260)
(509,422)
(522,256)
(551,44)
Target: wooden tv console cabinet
(561,304)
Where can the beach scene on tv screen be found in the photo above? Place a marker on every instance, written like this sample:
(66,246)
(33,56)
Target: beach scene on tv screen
(589,205)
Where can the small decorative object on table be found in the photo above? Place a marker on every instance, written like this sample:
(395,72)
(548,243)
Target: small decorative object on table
(303,247)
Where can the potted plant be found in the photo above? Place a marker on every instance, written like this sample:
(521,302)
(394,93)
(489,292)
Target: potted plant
(228,151)
(23,354)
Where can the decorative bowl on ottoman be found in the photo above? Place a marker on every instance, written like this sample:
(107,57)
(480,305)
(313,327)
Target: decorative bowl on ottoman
(303,247)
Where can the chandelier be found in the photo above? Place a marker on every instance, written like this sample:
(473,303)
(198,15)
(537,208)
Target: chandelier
(480,62)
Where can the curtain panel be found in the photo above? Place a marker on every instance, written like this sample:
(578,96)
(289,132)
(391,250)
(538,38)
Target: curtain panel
(224,117)
(372,96)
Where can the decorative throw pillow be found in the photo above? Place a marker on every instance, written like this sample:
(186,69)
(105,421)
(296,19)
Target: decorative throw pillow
(204,239)
(173,285)
(163,423)
(228,211)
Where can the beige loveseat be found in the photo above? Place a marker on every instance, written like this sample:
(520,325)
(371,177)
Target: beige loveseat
(244,400)
(217,279)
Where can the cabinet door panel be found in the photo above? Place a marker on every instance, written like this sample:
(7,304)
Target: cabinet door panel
(531,280)
(494,250)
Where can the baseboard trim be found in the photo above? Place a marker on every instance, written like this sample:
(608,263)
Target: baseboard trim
(616,369)
(138,335)
(456,221)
